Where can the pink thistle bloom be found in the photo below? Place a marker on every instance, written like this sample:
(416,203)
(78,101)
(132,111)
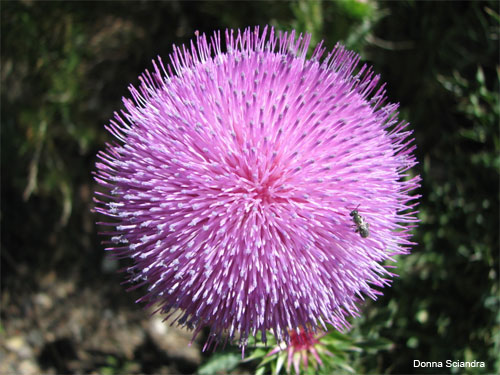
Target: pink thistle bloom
(235,176)
(303,346)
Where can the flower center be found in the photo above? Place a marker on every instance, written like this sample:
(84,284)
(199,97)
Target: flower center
(303,340)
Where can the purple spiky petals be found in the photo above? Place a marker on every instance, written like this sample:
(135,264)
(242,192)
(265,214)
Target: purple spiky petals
(234,177)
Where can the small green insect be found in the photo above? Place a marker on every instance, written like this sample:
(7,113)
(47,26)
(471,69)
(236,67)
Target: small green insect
(361,225)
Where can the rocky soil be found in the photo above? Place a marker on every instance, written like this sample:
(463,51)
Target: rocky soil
(66,327)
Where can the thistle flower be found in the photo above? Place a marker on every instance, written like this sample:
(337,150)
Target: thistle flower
(304,347)
(234,181)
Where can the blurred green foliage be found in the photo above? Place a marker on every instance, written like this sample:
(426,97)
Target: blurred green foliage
(65,66)
(333,348)
(221,363)
(448,84)
(115,366)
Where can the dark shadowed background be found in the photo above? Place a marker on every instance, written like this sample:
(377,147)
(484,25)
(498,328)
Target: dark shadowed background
(65,67)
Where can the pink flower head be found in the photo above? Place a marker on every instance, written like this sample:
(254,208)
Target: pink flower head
(305,347)
(255,189)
